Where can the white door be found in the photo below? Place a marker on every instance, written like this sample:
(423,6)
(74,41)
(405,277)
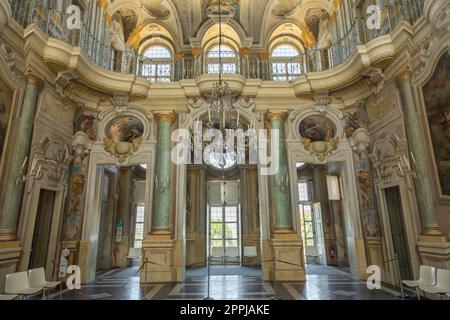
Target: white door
(320,241)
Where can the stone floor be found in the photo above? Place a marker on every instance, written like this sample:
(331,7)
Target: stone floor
(229,283)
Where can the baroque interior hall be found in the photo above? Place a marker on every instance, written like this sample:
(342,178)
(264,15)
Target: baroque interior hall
(338,166)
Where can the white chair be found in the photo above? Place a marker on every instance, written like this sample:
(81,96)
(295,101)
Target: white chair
(442,286)
(251,252)
(427,278)
(312,255)
(37,280)
(218,253)
(17,283)
(134,254)
(7,297)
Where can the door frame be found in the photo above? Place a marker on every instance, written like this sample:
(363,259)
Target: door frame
(409,225)
(29,225)
(239,230)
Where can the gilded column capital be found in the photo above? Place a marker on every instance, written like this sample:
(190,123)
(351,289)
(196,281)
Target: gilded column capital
(278,114)
(33,79)
(403,75)
(166,115)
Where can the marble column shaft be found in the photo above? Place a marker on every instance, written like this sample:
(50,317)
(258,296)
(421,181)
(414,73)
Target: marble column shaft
(161,221)
(423,183)
(14,185)
(280,181)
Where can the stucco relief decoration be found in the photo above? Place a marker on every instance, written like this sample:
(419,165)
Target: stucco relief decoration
(50,162)
(81,144)
(319,136)
(367,195)
(8,57)
(123,137)
(284,7)
(229,8)
(355,120)
(360,143)
(156,8)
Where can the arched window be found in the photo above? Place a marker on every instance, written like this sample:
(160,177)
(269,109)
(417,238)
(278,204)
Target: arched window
(228,59)
(286,63)
(157,64)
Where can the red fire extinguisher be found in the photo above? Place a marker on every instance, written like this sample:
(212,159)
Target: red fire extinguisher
(332,254)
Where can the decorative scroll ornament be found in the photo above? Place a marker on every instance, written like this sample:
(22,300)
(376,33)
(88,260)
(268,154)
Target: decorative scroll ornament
(319,136)
(360,142)
(321,149)
(120,103)
(223,8)
(122,151)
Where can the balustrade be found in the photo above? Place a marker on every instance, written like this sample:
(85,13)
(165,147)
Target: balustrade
(53,23)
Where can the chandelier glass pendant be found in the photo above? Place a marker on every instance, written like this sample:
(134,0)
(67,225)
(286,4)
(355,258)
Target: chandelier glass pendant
(221,104)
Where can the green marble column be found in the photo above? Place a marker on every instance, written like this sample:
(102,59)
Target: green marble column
(14,186)
(163,173)
(280,181)
(423,183)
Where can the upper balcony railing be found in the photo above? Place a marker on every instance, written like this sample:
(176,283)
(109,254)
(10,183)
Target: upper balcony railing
(53,23)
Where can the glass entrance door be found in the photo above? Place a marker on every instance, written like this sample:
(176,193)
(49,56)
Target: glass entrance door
(224,244)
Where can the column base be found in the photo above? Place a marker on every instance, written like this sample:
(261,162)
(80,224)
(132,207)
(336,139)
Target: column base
(166,258)
(283,257)
(434,251)
(252,240)
(9,258)
(374,252)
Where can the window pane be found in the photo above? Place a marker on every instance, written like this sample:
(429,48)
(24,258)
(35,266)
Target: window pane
(149,70)
(138,244)
(213,68)
(278,68)
(222,51)
(303,191)
(231,231)
(216,231)
(285,50)
(164,69)
(157,52)
(231,244)
(294,68)
(310,242)
(229,68)
(309,230)
(140,214)
(216,214)
(307,211)
(231,214)
(216,244)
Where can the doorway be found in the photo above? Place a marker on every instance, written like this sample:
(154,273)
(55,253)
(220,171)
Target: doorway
(107,217)
(42,230)
(224,241)
(224,223)
(321,215)
(398,233)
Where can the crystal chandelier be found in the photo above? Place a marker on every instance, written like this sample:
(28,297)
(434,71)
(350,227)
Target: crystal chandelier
(221,104)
